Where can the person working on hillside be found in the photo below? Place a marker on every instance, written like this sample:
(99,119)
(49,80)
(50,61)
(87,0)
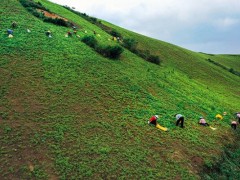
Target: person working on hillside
(74,28)
(10,33)
(48,33)
(238,117)
(14,24)
(203,122)
(69,34)
(180,119)
(234,125)
(153,120)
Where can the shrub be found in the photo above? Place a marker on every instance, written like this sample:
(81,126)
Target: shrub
(90,41)
(231,70)
(115,33)
(112,52)
(61,22)
(39,3)
(154,59)
(34,12)
(142,53)
(93,19)
(32,4)
(130,44)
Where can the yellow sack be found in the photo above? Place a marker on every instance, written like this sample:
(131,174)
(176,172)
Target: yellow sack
(212,128)
(10,36)
(161,127)
(219,116)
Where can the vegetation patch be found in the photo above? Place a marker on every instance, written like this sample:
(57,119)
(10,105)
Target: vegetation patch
(228,166)
(38,10)
(67,112)
(130,44)
(231,70)
(112,52)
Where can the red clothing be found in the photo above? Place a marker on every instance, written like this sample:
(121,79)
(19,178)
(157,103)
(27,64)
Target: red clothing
(153,119)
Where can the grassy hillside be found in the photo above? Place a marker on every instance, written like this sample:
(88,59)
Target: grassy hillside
(230,61)
(66,112)
(192,64)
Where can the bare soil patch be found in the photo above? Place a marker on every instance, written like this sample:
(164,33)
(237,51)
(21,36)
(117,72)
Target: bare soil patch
(51,15)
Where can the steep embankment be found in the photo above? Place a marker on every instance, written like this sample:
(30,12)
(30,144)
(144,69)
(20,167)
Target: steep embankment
(67,112)
(192,64)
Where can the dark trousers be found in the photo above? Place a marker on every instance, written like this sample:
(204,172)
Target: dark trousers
(154,122)
(239,120)
(180,120)
(205,124)
(234,126)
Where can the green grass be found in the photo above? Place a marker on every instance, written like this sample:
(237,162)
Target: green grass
(73,114)
(229,61)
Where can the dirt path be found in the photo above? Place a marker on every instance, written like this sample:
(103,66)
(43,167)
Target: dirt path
(51,15)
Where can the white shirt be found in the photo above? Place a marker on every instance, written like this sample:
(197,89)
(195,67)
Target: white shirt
(178,116)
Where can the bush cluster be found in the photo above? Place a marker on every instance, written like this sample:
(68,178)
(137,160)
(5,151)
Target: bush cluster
(231,70)
(128,43)
(32,4)
(90,41)
(131,44)
(115,33)
(112,52)
(32,7)
(83,15)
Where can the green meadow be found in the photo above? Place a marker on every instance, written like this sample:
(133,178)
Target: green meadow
(67,112)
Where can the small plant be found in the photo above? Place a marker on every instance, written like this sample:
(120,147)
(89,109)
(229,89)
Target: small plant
(104,150)
(4,115)
(90,41)
(7,129)
(39,173)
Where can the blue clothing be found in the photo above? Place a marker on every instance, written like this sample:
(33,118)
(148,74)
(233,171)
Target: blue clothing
(9,31)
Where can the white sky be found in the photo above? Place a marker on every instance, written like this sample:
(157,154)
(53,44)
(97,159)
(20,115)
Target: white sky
(211,26)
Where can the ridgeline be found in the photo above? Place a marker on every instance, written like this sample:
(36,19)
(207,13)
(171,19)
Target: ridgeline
(78,109)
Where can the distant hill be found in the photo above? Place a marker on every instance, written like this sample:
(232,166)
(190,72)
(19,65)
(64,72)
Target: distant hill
(68,111)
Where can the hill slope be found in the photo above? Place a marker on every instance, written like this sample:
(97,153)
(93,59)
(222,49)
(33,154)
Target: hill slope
(66,112)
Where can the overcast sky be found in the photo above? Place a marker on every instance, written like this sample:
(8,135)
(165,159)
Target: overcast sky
(210,26)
